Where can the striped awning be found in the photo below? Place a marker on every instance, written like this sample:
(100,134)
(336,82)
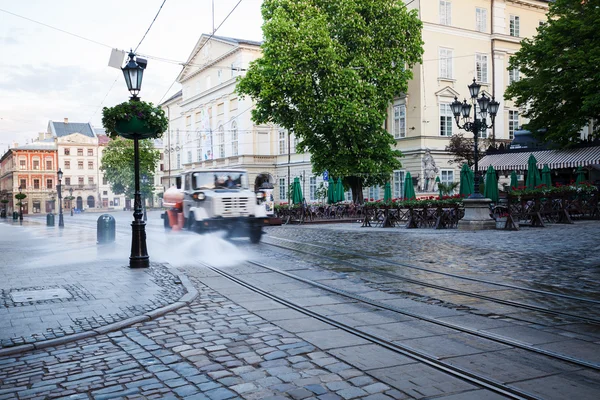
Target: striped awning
(555,159)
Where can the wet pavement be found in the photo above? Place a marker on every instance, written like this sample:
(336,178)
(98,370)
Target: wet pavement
(230,343)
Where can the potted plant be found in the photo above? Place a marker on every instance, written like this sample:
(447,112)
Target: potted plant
(134,119)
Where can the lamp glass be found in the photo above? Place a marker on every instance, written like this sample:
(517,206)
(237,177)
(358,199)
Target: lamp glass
(59,174)
(474,89)
(493,107)
(466,109)
(483,102)
(133,73)
(456,107)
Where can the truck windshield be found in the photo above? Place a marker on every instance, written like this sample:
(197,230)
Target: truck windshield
(220,180)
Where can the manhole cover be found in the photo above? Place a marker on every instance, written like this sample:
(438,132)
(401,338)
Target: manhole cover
(39,295)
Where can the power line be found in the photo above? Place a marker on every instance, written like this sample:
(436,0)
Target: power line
(152,23)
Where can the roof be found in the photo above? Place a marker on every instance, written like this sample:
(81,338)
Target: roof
(103,139)
(238,41)
(60,129)
(176,95)
(46,144)
(568,158)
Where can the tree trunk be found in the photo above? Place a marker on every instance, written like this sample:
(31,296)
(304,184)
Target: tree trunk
(355,184)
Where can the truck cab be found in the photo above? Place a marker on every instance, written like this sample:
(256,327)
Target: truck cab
(206,200)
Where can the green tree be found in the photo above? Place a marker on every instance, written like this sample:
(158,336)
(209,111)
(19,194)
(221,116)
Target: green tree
(118,166)
(328,73)
(560,82)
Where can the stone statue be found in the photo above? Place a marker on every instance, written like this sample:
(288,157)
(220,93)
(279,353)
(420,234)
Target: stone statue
(430,171)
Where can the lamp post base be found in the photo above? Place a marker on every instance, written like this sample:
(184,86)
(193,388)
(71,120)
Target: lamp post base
(477,215)
(139,254)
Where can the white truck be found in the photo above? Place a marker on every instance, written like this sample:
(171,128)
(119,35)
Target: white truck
(205,200)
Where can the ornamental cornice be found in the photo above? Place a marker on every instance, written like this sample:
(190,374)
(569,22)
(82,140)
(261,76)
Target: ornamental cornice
(540,5)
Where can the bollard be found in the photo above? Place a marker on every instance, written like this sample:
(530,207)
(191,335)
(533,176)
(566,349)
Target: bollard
(106,229)
(15,215)
(50,219)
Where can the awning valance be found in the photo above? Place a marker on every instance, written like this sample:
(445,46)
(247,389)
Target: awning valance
(570,158)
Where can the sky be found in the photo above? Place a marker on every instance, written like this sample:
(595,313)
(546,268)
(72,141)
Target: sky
(48,73)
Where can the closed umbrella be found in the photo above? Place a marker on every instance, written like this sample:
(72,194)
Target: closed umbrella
(409,189)
(387,193)
(437,181)
(533,174)
(514,180)
(339,191)
(491,185)
(580,176)
(547,176)
(466,181)
(296,191)
(331,192)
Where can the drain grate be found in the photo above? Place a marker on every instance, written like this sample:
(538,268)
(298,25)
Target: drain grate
(39,295)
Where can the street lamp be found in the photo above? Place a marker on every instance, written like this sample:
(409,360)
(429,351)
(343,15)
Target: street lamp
(71,200)
(133,73)
(20,205)
(144,182)
(61,222)
(477,125)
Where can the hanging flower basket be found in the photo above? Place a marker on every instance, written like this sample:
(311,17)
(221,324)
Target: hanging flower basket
(134,120)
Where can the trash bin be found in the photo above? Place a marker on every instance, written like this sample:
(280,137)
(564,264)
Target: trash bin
(50,219)
(106,229)
(15,215)
(3,214)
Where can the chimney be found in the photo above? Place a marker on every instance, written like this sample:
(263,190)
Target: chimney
(66,120)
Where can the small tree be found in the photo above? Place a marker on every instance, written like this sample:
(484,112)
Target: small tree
(462,148)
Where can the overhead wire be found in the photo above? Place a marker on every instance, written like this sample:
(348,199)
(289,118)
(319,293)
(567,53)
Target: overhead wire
(150,27)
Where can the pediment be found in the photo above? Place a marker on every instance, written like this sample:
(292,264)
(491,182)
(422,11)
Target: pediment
(200,55)
(447,92)
(75,138)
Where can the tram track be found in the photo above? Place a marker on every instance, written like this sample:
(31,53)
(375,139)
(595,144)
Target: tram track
(474,378)
(439,287)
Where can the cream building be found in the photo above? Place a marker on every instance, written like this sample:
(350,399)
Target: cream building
(464,39)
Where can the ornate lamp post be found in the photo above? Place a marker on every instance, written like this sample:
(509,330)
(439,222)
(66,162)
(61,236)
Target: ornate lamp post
(71,200)
(477,125)
(145,183)
(133,73)
(61,222)
(20,204)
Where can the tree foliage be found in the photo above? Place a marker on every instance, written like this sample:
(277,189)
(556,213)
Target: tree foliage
(560,88)
(462,148)
(118,166)
(328,73)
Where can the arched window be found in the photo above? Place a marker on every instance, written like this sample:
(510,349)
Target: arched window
(234,139)
(221,141)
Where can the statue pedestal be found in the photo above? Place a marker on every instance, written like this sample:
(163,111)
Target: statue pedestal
(477,215)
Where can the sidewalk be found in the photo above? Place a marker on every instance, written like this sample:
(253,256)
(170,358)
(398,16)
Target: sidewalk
(49,297)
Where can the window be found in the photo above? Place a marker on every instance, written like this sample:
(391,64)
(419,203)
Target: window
(199,155)
(22,163)
(445,12)
(221,137)
(399,127)
(48,183)
(80,180)
(36,183)
(282,189)
(67,181)
(234,139)
(79,164)
(104,181)
(513,75)
(23,184)
(178,160)
(48,165)
(67,164)
(282,144)
(481,67)
(67,151)
(220,108)
(445,56)
(90,180)
(482,134)
(104,193)
(398,189)
(374,192)
(36,164)
(177,137)
(446,176)
(480,19)
(189,156)
(233,104)
(312,188)
(90,165)
(90,152)
(446,119)
(513,123)
(116,201)
(514,25)
(79,152)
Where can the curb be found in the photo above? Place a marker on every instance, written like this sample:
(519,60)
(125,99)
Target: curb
(185,300)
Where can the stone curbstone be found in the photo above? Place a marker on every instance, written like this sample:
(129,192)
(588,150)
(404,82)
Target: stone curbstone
(8,351)
(121,324)
(163,310)
(64,339)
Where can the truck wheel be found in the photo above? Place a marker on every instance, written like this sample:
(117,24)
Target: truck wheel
(165,217)
(255,234)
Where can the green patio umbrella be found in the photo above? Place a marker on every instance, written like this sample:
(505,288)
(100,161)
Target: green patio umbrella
(533,174)
(514,180)
(296,191)
(466,181)
(339,191)
(409,189)
(437,181)
(547,176)
(491,185)
(387,193)
(580,176)
(331,192)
